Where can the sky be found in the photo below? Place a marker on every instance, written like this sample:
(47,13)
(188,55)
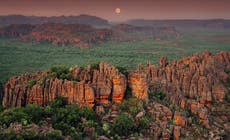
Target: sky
(130,9)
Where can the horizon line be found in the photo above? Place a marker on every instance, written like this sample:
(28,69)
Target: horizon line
(109,20)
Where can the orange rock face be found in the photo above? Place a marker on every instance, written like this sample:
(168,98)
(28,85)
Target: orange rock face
(138,85)
(179,119)
(94,86)
(176,133)
(199,77)
(119,87)
(192,83)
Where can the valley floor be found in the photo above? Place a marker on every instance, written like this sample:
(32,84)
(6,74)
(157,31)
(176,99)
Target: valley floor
(17,57)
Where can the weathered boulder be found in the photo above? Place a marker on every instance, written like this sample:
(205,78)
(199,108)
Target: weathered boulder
(160,112)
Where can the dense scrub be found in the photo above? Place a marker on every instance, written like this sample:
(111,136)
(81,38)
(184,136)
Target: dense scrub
(69,120)
(63,117)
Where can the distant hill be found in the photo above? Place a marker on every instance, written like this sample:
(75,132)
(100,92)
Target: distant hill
(81,19)
(205,24)
(126,32)
(77,35)
(82,35)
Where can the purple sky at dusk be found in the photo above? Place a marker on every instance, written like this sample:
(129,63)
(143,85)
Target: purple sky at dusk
(130,9)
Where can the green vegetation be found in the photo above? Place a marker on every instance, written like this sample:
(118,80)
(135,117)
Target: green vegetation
(132,106)
(222,133)
(65,118)
(32,83)
(61,72)
(124,125)
(159,95)
(122,70)
(73,121)
(1,92)
(13,115)
(17,57)
(144,123)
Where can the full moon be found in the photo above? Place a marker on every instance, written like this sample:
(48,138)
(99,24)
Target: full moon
(117,10)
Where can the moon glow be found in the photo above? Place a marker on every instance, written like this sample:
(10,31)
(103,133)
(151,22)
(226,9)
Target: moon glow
(117,10)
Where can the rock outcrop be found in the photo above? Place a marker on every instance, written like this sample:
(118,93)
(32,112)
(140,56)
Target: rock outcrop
(195,94)
(160,112)
(193,83)
(77,35)
(91,86)
(138,85)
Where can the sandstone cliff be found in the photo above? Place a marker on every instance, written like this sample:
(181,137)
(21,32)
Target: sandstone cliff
(192,83)
(90,87)
(196,93)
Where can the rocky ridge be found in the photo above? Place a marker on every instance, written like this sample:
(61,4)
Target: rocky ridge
(82,35)
(91,86)
(195,93)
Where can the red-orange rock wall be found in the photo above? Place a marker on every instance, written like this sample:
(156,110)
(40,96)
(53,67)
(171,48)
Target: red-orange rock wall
(92,88)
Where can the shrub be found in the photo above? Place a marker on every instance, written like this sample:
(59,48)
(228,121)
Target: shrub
(59,102)
(88,113)
(77,136)
(32,83)
(29,134)
(143,123)
(64,127)
(222,133)
(156,96)
(54,135)
(11,135)
(13,115)
(124,125)
(95,66)
(35,112)
(74,115)
(90,123)
(106,129)
(68,118)
(48,110)
(61,72)
(60,115)
(132,106)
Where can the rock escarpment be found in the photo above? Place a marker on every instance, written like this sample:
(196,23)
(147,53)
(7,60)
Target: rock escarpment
(193,83)
(181,99)
(90,87)
(196,91)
